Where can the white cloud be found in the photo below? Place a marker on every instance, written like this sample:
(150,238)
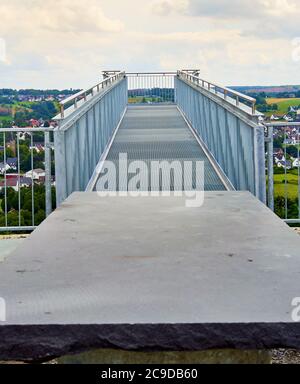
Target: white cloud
(243,8)
(62,16)
(165,7)
(65,43)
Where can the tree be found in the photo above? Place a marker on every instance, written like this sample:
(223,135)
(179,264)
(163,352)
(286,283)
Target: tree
(292,151)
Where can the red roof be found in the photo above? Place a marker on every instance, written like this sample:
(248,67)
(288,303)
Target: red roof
(11,176)
(9,183)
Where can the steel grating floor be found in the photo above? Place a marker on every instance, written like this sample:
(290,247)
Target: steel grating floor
(159,133)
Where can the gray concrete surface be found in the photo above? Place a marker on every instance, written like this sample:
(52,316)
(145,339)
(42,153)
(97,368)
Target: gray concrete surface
(151,274)
(7,246)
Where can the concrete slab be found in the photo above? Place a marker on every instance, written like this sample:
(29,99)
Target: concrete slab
(7,246)
(149,274)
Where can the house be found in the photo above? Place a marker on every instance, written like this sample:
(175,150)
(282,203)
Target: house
(287,118)
(295,140)
(12,163)
(292,109)
(10,183)
(38,147)
(36,174)
(34,123)
(284,164)
(279,157)
(274,117)
(296,163)
(4,168)
(278,151)
(12,176)
(25,181)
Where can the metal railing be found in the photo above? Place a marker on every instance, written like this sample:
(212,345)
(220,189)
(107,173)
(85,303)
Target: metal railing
(26,192)
(283,185)
(225,93)
(86,125)
(151,87)
(89,119)
(234,139)
(83,96)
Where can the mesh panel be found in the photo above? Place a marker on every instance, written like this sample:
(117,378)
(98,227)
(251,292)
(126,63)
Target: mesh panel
(159,133)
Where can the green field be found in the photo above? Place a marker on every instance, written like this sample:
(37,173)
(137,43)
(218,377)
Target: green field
(144,99)
(292,185)
(283,104)
(5,118)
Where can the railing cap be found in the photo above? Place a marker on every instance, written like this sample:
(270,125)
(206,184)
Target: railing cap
(232,91)
(85,91)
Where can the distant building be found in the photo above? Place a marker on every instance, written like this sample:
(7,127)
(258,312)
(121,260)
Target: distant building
(10,183)
(279,157)
(12,163)
(296,163)
(278,151)
(34,123)
(275,117)
(3,168)
(38,147)
(285,164)
(293,109)
(12,176)
(25,181)
(36,174)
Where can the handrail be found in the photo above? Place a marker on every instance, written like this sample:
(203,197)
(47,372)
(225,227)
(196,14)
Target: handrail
(210,86)
(27,129)
(84,93)
(283,124)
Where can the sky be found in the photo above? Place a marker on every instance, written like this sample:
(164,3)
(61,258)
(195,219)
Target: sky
(66,43)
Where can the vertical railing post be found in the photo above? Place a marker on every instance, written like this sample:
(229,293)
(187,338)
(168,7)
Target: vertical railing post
(48,174)
(60,166)
(270,168)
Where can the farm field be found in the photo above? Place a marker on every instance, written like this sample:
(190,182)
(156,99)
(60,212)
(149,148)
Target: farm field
(292,185)
(143,99)
(283,104)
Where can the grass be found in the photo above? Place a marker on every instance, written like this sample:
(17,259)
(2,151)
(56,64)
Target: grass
(283,104)
(141,99)
(292,185)
(4,118)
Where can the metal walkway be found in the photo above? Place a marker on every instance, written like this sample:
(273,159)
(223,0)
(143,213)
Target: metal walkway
(160,133)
